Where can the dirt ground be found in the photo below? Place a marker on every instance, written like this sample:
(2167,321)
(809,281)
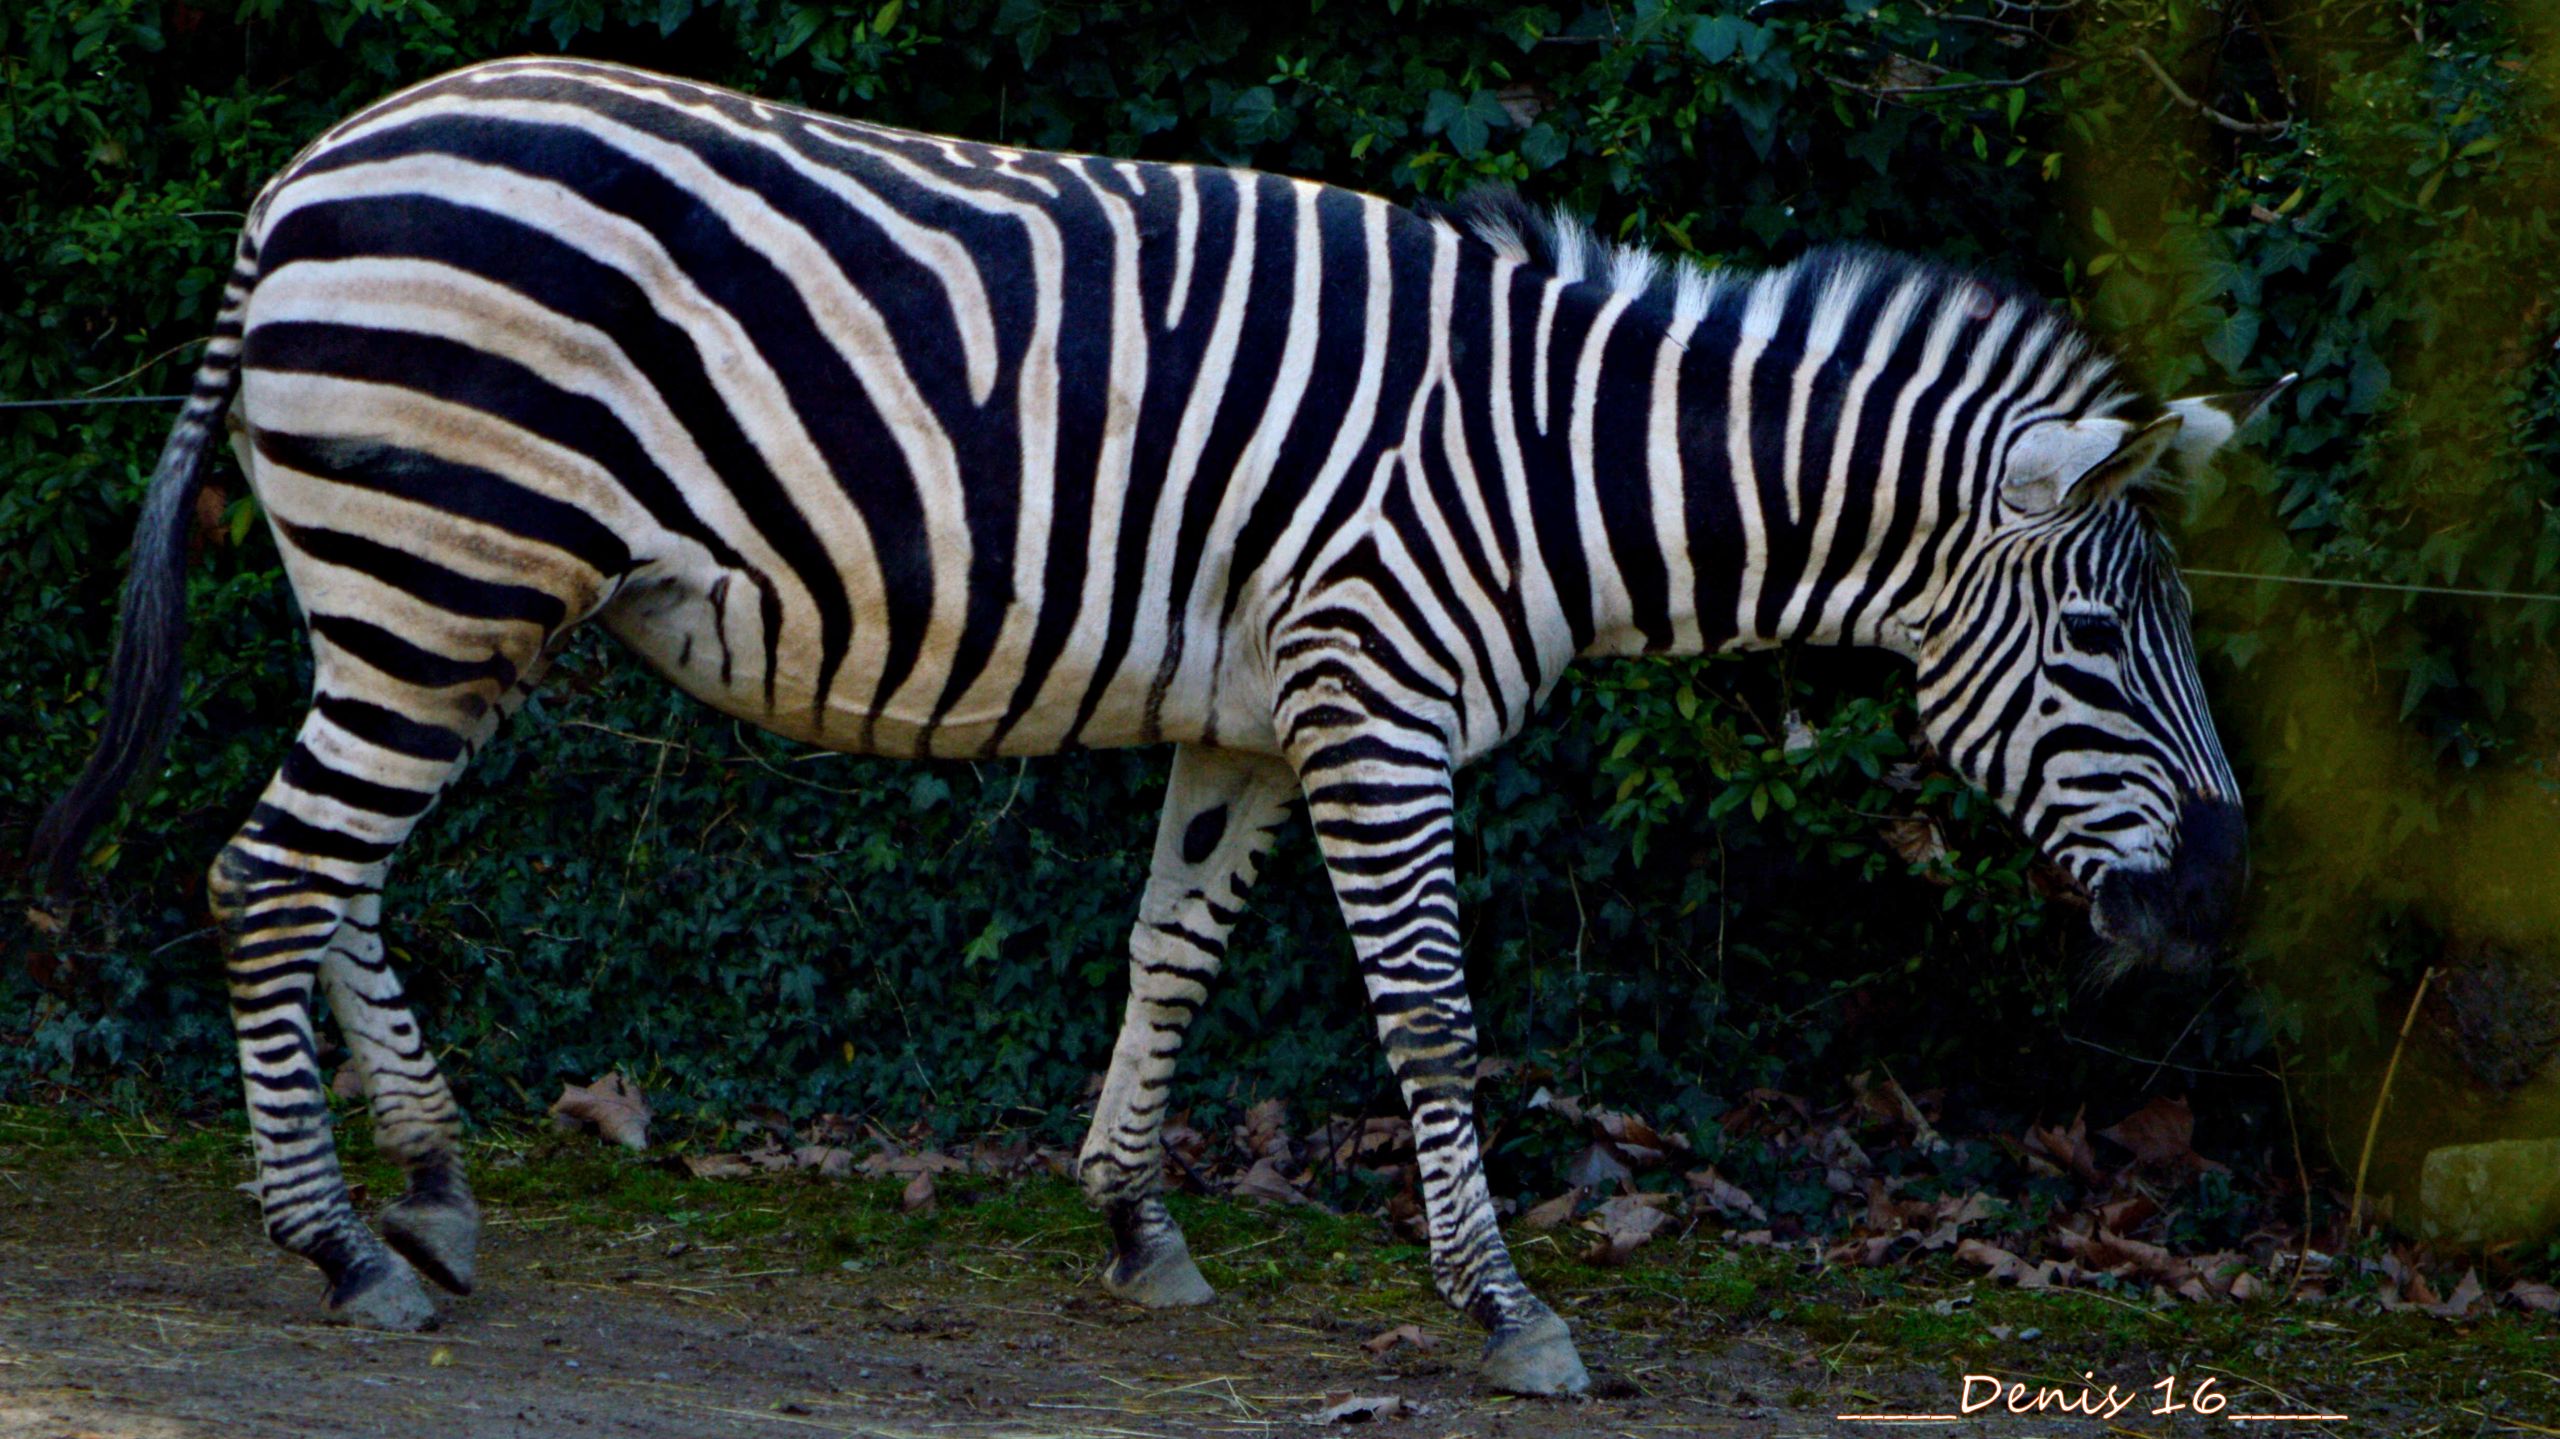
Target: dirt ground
(138,1301)
(116,1321)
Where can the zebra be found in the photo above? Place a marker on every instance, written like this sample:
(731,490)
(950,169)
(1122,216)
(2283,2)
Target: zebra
(907,445)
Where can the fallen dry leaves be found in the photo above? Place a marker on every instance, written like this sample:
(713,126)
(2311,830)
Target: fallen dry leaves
(1871,1181)
(1404,1335)
(1365,1409)
(612,1107)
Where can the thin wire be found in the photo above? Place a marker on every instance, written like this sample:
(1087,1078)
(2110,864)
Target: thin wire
(2453,591)
(92,400)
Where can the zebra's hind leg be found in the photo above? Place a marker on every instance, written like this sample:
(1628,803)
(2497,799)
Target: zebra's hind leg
(436,1224)
(1379,797)
(297,894)
(1219,811)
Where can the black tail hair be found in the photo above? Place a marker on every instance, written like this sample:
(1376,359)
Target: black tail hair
(143,683)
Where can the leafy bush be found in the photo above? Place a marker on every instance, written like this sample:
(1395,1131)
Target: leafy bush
(2361,192)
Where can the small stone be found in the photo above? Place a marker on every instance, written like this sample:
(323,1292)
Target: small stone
(2496,1193)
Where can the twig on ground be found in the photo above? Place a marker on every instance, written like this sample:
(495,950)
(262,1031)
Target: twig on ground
(2301,1172)
(2373,1121)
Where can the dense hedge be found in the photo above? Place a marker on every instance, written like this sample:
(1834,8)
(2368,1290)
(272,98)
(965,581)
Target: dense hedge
(2356,189)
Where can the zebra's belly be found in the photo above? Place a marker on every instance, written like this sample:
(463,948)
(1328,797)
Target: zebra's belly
(704,629)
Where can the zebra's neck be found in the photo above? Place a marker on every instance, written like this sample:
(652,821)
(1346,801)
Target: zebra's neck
(1745,463)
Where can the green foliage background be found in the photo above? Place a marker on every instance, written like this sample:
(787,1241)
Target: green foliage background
(1656,873)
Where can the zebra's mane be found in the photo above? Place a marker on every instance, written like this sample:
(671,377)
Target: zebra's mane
(1559,243)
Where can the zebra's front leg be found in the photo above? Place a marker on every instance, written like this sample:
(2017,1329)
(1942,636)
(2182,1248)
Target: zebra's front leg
(1219,811)
(1379,796)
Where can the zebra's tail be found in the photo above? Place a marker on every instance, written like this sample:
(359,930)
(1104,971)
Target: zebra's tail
(144,677)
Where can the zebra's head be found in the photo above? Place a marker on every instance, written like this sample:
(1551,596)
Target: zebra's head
(2058,671)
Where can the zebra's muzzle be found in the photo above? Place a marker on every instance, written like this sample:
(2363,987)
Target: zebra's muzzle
(2177,917)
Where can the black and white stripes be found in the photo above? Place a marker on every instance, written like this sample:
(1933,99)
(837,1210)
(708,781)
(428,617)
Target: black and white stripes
(909,445)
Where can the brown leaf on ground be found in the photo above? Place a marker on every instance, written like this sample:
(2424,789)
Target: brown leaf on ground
(348,1082)
(1967,1208)
(1633,1134)
(1552,1213)
(1362,1409)
(2402,1269)
(1184,1143)
(1914,841)
(926,1161)
(2066,1151)
(2127,1214)
(830,1160)
(918,1194)
(1949,1216)
(1374,1140)
(1598,1169)
(1624,1224)
(2535,1295)
(1265,1132)
(2465,1297)
(718,1166)
(1886,1214)
(1724,1196)
(1886,1102)
(2002,1264)
(1266,1184)
(769,1156)
(2125,1258)
(1864,1253)
(1834,1147)
(612,1107)
(1563,1104)
(2010,1269)
(1404,1209)
(2160,1133)
(1408,1334)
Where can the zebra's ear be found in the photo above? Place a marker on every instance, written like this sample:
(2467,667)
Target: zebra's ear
(2079,464)
(2211,421)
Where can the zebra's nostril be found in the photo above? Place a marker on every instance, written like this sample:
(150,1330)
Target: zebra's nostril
(2179,915)
(2211,866)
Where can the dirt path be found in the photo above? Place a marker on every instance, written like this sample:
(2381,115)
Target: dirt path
(125,1313)
(137,1301)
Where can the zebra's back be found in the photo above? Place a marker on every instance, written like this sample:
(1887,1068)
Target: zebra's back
(886,441)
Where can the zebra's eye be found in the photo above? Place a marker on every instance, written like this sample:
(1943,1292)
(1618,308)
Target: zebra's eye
(2092,633)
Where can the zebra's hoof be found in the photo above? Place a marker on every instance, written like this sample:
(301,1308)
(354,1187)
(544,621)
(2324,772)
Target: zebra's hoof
(1160,1277)
(1535,1358)
(383,1295)
(439,1234)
